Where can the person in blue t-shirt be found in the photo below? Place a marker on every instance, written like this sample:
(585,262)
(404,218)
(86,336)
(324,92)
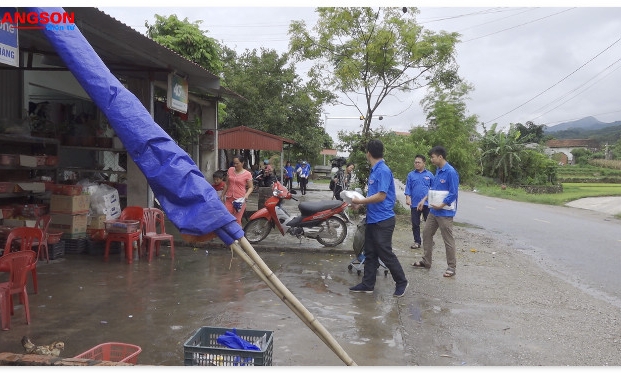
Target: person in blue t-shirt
(446,183)
(416,188)
(304,172)
(288,176)
(380,201)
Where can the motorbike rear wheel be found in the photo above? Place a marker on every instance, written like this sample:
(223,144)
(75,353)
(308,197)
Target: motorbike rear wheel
(333,233)
(256,230)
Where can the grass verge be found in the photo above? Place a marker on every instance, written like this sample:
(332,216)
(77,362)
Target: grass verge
(571,192)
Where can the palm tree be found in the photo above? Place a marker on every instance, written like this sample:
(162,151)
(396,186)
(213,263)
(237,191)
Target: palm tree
(501,152)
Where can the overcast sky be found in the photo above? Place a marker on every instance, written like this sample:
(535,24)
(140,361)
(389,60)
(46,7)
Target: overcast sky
(549,65)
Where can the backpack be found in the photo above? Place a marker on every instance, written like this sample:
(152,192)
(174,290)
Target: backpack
(332,184)
(359,236)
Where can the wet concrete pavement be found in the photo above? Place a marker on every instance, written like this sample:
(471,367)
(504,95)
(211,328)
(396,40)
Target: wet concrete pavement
(500,309)
(84,301)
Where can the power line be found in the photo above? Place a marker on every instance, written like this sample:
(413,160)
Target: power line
(555,84)
(591,80)
(520,25)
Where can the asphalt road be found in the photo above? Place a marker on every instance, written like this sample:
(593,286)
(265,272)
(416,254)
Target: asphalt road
(581,246)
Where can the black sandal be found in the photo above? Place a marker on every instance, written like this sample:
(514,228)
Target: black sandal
(419,264)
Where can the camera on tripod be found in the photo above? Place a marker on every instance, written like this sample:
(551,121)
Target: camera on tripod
(338,162)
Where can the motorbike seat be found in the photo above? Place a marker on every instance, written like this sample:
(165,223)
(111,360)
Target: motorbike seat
(309,208)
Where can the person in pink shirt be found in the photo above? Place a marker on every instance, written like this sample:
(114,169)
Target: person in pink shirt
(238,185)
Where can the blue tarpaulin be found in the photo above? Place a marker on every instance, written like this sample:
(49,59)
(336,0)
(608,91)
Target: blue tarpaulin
(189,201)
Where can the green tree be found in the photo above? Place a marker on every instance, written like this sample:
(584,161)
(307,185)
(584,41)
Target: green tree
(451,127)
(531,132)
(187,39)
(582,156)
(277,101)
(399,151)
(535,168)
(615,149)
(501,152)
(373,53)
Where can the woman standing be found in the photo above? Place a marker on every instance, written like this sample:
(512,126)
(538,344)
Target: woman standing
(238,185)
(342,180)
(288,175)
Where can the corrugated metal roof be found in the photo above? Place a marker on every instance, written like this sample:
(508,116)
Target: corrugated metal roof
(243,137)
(127,52)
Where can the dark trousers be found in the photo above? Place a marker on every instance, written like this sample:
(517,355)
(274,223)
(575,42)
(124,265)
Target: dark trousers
(416,222)
(289,183)
(378,246)
(303,181)
(337,192)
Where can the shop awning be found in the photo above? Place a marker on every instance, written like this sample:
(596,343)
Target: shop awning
(243,137)
(126,52)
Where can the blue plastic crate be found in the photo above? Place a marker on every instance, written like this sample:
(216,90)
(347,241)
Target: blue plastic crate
(203,348)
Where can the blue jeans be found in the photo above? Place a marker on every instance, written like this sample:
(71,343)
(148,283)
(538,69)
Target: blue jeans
(415,215)
(378,245)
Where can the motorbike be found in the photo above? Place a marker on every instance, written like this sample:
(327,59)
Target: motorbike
(324,221)
(262,180)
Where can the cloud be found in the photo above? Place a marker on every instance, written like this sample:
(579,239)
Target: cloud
(525,63)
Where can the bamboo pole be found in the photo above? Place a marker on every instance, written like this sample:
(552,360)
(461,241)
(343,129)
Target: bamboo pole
(242,254)
(266,274)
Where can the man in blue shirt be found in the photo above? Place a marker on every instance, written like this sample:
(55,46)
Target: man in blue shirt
(380,225)
(442,200)
(416,188)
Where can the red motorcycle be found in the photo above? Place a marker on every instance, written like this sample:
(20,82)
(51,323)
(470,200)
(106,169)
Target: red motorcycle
(324,221)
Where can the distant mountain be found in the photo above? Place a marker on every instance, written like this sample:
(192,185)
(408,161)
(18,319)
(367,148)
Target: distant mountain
(587,128)
(584,124)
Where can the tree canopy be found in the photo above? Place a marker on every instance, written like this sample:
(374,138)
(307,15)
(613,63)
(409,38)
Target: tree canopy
(277,100)
(187,39)
(373,53)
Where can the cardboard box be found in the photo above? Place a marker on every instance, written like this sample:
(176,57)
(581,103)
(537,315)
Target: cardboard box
(106,200)
(60,204)
(97,221)
(13,222)
(32,187)
(27,161)
(67,223)
(112,212)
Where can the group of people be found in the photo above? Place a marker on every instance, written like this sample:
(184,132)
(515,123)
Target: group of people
(236,184)
(301,171)
(430,197)
(438,212)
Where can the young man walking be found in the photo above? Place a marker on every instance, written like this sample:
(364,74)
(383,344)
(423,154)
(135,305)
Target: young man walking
(442,200)
(380,201)
(416,189)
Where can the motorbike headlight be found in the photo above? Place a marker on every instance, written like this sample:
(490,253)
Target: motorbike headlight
(275,192)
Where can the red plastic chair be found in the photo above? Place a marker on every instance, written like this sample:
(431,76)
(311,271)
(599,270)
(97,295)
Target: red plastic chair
(43,223)
(128,239)
(17,264)
(26,238)
(154,218)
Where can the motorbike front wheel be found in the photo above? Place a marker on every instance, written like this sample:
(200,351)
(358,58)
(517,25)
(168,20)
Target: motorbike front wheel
(333,233)
(256,230)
